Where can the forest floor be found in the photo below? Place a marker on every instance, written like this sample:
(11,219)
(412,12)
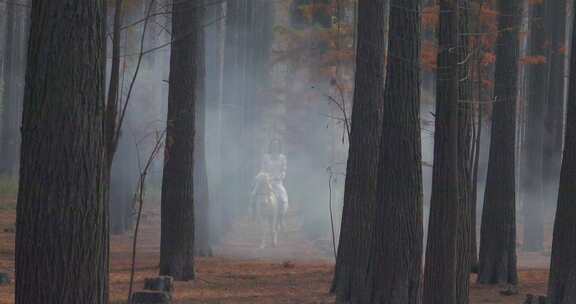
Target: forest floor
(298,271)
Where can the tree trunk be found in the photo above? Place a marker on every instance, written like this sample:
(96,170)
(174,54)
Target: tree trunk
(233,103)
(399,212)
(60,246)
(257,132)
(214,38)
(111,127)
(440,278)
(186,89)
(380,250)
(360,196)
(13,91)
(498,231)
(554,111)
(466,246)
(119,187)
(532,179)
(562,282)
(479,90)
(3,49)
(203,244)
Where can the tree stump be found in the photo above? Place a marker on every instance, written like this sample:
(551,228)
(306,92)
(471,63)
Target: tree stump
(162,283)
(510,290)
(151,297)
(532,299)
(4,278)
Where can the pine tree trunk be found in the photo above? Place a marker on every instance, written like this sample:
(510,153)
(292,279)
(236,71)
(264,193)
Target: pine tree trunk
(562,282)
(232,118)
(532,180)
(186,89)
(554,111)
(13,92)
(214,41)
(61,231)
(498,230)
(398,263)
(119,190)
(466,247)
(440,278)
(380,250)
(261,26)
(360,195)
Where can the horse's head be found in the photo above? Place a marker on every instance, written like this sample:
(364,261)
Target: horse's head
(262,179)
(262,194)
(263,184)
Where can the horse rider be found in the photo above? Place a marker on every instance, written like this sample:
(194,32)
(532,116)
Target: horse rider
(274,164)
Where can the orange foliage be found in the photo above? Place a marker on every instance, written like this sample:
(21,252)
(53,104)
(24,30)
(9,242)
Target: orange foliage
(429,56)
(430,17)
(487,83)
(488,59)
(533,60)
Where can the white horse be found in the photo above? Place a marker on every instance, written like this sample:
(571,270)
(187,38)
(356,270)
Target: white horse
(265,208)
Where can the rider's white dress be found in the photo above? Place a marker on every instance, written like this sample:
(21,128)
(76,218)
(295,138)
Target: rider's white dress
(275,166)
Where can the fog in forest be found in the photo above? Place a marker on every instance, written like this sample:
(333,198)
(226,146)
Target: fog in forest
(239,127)
(379,151)
(280,100)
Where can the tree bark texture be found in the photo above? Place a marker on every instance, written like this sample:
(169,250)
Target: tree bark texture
(186,83)
(380,254)
(398,264)
(554,111)
(562,281)
(440,275)
(61,248)
(360,196)
(497,263)
(466,247)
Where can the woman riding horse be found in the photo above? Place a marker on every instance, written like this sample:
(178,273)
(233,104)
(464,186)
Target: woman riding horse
(274,164)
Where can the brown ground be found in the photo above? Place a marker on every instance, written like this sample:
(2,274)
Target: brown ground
(296,272)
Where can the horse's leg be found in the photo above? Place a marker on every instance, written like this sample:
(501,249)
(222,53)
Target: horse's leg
(274,225)
(274,230)
(281,215)
(263,233)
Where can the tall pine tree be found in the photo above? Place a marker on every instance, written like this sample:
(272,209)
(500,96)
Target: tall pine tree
(61,227)
(186,83)
(497,260)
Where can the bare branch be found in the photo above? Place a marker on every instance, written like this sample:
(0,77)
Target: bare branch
(139,197)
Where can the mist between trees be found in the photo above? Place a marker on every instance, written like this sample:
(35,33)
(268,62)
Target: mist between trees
(268,72)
